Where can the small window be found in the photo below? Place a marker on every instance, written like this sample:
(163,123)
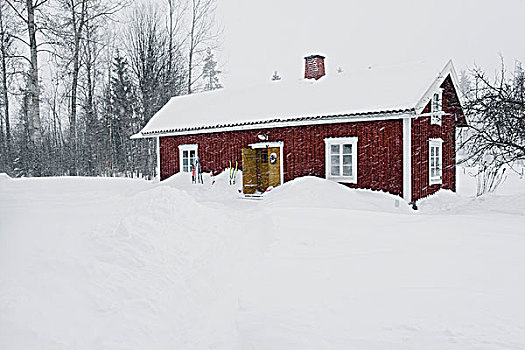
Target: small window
(341,159)
(187,156)
(435,161)
(436,107)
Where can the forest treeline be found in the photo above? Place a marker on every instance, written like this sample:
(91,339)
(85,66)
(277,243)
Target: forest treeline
(79,77)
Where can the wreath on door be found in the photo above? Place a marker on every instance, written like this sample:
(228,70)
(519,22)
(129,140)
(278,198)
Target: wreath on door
(273,158)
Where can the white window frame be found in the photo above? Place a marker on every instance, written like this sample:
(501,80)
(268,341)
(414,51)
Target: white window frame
(187,147)
(436,179)
(328,159)
(436,107)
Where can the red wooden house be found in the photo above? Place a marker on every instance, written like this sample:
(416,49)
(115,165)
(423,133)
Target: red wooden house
(388,128)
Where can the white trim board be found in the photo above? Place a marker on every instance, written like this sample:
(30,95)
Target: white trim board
(407,159)
(157,166)
(266,144)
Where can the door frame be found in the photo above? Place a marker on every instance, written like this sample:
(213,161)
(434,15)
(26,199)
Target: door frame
(269,144)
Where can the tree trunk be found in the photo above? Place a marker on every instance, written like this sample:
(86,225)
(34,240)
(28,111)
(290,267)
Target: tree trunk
(73,113)
(78,25)
(34,89)
(192,45)
(170,43)
(91,132)
(5,97)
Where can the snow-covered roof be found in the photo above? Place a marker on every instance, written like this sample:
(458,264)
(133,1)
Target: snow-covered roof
(380,91)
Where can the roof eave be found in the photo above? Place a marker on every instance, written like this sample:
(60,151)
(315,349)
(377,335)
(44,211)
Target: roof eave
(286,122)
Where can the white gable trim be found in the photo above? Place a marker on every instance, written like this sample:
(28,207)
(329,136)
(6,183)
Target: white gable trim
(436,85)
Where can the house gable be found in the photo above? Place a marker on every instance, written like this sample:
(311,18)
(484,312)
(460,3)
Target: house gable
(446,82)
(423,131)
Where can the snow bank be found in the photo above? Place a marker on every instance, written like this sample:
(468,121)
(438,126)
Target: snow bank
(315,192)
(509,197)
(128,264)
(216,189)
(117,263)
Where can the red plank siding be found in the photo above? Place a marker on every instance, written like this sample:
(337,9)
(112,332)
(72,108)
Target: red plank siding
(422,131)
(380,151)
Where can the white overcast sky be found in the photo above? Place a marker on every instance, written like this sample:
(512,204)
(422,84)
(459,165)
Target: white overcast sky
(266,35)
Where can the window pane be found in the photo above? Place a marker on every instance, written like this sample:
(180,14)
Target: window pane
(435,103)
(432,162)
(347,160)
(185,161)
(335,160)
(432,151)
(264,157)
(192,153)
(347,149)
(185,168)
(335,170)
(432,172)
(185,154)
(347,170)
(335,149)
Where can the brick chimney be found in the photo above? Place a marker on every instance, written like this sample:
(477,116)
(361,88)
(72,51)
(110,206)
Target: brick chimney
(314,67)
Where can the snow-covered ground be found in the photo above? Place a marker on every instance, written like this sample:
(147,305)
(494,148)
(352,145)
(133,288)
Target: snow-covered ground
(126,264)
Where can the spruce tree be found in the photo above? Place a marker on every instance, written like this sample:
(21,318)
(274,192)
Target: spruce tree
(121,123)
(210,72)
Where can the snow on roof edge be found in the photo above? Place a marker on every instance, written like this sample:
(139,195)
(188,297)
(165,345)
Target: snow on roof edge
(284,122)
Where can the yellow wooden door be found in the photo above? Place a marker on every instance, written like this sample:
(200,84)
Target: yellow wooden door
(274,166)
(249,171)
(262,169)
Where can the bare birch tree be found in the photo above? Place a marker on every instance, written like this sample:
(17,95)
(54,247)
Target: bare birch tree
(74,120)
(147,50)
(26,11)
(69,33)
(6,43)
(203,34)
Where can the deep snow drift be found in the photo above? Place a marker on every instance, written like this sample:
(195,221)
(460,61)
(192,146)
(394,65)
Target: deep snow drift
(127,264)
